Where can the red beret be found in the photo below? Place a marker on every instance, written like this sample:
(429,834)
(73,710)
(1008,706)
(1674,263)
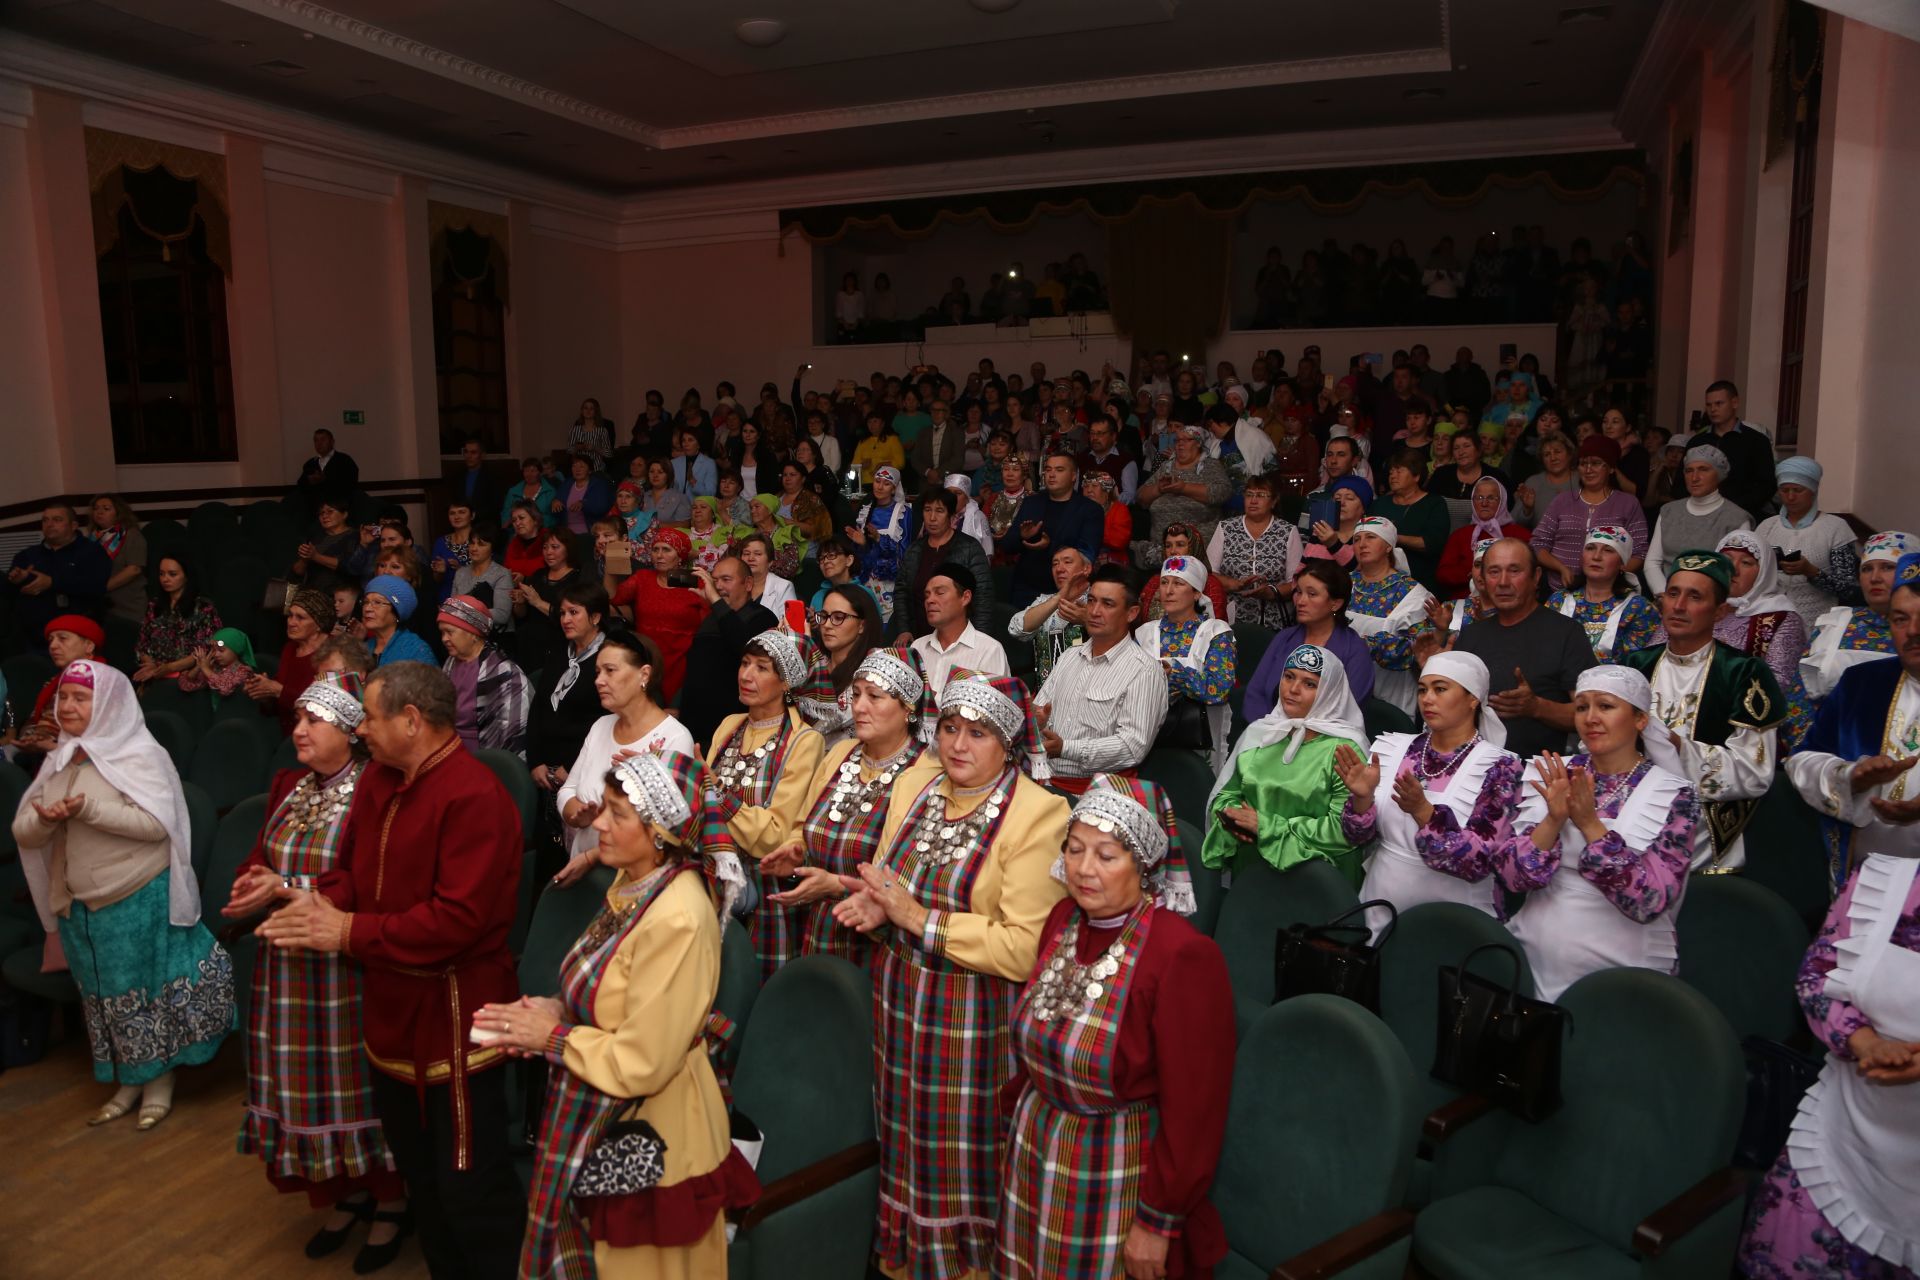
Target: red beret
(80,625)
(1603,447)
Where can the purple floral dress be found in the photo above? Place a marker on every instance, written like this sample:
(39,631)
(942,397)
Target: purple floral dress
(1642,883)
(1469,853)
(1787,1237)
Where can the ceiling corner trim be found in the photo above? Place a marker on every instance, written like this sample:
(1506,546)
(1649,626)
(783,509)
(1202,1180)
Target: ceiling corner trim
(1039,97)
(337,26)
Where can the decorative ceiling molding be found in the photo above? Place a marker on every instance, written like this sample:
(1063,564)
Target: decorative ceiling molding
(1441,141)
(26,63)
(393,46)
(1047,96)
(321,21)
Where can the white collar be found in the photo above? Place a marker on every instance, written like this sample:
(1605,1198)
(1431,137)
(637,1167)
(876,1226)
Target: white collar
(967,638)
(1713,503)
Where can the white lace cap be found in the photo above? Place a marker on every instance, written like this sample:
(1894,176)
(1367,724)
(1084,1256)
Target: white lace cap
(1623,683)
(780,647)
(650,788)
(329,702)
(882,667)
(1113,814)
(978,700)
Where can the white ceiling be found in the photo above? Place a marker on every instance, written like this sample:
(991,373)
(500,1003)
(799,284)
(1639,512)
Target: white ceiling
(627,97)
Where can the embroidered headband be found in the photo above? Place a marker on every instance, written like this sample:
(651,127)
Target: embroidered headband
(1906,572)
(80,673)
(784,650)
(650,787)
(1708,563)
(1307,657)
(335,698)
(1889,546)
(1116,814)
(977,700)
(890,669)
(1188,569)
(1612,535)
(890,474)
(1381,528)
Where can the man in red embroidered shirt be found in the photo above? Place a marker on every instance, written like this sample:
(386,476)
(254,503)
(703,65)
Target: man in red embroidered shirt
(424,901)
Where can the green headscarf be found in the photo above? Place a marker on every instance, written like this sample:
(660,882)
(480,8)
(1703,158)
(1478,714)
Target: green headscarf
(236,640)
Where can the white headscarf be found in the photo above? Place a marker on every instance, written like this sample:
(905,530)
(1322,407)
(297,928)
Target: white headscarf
(133,763)
(891,527)
(1467,671)
(1191,571)
(1765,595)
(1334,714)
(1495,528)
(1633,688)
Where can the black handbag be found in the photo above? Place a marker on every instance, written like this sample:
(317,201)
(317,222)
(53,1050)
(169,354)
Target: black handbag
(1493,1041)
(1778,1077)
(1335,958)
(1186,727)
(630,1156)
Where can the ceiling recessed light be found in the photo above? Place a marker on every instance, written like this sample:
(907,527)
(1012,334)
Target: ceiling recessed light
(993,6)
(760,33)
(306,35)
(243,44)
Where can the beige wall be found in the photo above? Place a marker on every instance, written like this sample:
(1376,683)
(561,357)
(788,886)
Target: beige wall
(26,407)
(568,318)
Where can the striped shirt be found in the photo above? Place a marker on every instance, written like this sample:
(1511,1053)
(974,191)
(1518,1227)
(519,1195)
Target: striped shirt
(1107,709)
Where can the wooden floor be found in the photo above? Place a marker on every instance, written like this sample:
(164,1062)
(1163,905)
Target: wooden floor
(176,1201)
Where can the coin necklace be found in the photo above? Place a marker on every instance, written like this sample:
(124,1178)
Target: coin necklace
(311,805)
(736,767)
(850,793)
(936,840)
(1065,986)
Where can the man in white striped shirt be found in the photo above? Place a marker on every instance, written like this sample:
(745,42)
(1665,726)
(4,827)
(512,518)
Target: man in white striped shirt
(1102,705)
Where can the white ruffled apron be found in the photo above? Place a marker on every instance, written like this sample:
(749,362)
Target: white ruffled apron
(1395,870)
(1609,632)
(1401,688)
(1570,928)
(1855,1145)
(1826,661)
(1219,715)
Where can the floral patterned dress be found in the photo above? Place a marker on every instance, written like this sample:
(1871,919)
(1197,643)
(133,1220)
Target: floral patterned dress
(167,635)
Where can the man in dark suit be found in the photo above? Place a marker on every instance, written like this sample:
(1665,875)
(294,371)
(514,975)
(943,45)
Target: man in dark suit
(328,473)
(711,691)
(482,493)
(940,450)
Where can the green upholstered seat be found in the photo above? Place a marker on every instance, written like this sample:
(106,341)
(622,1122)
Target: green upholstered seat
(13,785)
(1654,1088)
(518,780)
(285,756)
(1786,853)
(1424,939)
(560,915)
(1208,891)
(174,735)
(1383,717)
(1740,946)
(1321,1131)
(1187,778)
(203,821)
(233,840)
(739,983)
(195,708)
(232,760)
(805,1077)
(21,969)
(27,674)
(1258,905)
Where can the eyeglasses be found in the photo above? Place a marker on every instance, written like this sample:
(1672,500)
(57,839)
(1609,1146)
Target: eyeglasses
(836,617)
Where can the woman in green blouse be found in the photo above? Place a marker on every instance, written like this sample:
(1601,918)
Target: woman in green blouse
(1279,794)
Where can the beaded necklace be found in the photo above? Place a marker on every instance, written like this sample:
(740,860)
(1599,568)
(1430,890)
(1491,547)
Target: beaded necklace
(1425,773)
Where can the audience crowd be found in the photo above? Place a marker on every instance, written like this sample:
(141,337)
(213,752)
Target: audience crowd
(910,673)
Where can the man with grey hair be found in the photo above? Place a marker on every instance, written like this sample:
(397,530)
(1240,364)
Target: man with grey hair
(424,900)
(1055,623)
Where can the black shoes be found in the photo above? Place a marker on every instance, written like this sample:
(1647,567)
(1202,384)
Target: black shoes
(327,1241)
(372,1257)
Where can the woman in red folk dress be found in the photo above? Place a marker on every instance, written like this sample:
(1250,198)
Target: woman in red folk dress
(962,892)
(1107,1172)
(310,1115)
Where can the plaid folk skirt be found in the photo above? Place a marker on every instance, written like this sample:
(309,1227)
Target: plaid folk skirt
(943,1047)
(1073,1189)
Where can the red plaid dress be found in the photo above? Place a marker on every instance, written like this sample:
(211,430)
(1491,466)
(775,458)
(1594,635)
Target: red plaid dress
(1078,1148)
(943,1049)
(843,830)
(309,1114)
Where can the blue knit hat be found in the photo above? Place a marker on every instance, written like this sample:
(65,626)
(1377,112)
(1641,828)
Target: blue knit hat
(395,592)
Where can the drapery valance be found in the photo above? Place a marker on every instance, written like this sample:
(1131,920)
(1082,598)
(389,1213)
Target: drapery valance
(467,245)
(167,189)
(1451,184)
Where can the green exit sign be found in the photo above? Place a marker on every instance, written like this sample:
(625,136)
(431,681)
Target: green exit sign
(353,417)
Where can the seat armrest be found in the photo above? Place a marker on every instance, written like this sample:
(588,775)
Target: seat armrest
(1350,1247)
(808,1181)
(1449,1118)
(1674,1219)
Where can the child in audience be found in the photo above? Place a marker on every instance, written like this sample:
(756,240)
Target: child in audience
(223,668)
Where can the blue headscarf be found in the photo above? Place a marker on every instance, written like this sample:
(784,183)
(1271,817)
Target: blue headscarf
(1360,487)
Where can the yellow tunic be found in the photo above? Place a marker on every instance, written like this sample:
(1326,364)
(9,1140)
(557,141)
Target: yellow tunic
(760,829)
(645,1042)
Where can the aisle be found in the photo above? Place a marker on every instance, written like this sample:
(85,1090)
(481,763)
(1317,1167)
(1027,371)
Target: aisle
(176,1201)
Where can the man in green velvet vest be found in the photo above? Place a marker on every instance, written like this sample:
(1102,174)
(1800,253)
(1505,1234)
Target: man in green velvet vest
(1721,707)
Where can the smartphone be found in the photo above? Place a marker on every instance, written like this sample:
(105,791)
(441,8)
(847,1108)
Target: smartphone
(1782,556)
(796,616)
(1326,382)
(682,578)
(1326,509)
(1509,351)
